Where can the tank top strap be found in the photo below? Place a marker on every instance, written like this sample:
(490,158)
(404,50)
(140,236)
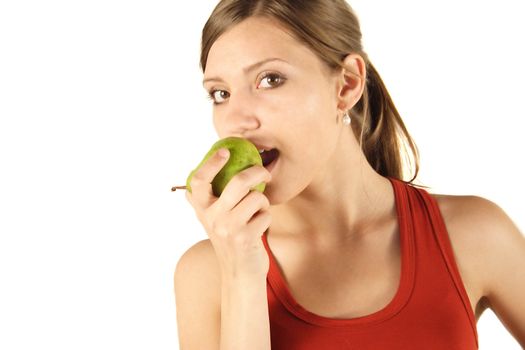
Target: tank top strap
(444,244)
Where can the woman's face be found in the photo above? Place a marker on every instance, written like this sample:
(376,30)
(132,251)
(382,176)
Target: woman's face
(271,89)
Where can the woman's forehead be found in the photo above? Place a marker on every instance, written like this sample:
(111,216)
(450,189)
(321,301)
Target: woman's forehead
(253,40)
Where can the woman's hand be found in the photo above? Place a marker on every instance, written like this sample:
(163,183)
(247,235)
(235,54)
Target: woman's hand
(236,220)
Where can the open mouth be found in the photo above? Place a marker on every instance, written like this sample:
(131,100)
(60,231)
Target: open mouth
(269,156)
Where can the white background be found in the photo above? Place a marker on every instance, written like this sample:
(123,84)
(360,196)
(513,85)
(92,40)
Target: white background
(102,111)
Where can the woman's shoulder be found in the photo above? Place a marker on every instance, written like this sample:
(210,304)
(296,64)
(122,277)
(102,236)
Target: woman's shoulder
(475,224)
(475,215)
(484,239)
(197,297)
(200,258)
(197,269)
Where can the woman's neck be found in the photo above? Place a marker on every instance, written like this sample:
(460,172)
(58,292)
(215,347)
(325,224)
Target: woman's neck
(348,197)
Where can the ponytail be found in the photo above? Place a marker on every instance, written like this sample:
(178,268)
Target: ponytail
(381,132)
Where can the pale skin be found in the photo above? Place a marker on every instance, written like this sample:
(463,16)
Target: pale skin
(321,173)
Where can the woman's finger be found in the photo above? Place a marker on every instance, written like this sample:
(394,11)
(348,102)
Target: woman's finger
(240,186)
(201,188)
(260,222)
(249,206)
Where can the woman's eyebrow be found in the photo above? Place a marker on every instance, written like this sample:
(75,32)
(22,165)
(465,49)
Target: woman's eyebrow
(247,69)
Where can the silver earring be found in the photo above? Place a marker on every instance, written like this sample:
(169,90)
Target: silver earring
(346,119)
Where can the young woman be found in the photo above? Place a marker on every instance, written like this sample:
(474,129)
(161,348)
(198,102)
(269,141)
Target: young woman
(339,252)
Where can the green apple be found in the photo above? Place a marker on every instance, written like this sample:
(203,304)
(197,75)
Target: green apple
(243,154)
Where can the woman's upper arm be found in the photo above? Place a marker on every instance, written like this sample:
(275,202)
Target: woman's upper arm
(504,267)
(197,295)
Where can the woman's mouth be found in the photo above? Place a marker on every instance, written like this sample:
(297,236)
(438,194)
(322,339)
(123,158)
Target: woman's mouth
(269,157)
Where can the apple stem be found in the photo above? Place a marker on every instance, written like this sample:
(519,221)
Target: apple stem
(175,188)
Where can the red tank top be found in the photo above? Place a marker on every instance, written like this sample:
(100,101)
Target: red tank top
(430,309)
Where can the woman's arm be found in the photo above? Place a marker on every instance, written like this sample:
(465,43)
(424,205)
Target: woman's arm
(200,295)
(245,323)
(197,296)
(503,266)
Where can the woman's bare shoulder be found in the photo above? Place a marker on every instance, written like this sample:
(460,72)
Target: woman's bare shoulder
(197,295)
(197,277)
(484,239)
(473,217)
(464,207)
(472,222)
(199,260)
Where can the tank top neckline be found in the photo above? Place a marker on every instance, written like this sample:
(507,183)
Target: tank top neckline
(396,304)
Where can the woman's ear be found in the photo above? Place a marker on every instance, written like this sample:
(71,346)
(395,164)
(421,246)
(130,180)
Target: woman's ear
(353,80)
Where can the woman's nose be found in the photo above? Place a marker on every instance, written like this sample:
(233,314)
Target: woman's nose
(240,113)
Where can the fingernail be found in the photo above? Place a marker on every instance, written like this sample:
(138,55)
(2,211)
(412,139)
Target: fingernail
(223,153)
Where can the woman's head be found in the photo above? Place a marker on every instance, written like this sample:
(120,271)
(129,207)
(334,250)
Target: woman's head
(328,33)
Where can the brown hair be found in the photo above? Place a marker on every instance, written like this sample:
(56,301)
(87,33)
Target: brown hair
(331,30)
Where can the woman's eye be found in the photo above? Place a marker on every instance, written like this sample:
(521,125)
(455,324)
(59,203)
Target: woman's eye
(271,80)
(219,96)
